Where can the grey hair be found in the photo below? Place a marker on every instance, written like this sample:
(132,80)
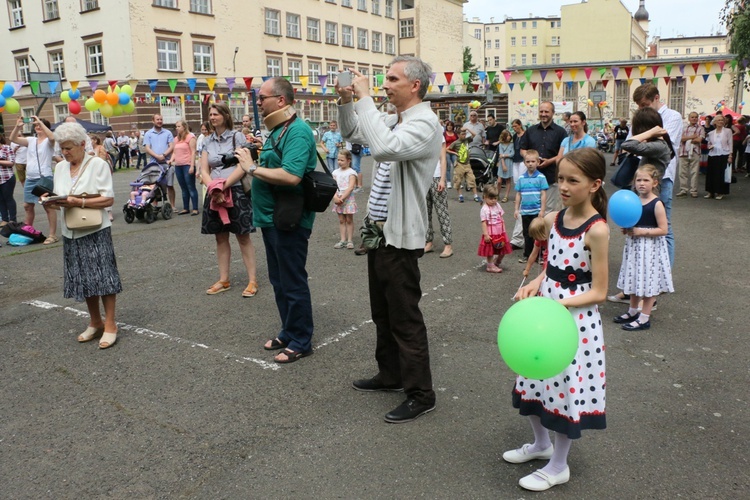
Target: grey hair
(70,132)
(283,88)
(416,69)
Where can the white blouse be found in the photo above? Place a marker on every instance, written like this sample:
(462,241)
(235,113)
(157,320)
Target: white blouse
(722,142)
(95,178)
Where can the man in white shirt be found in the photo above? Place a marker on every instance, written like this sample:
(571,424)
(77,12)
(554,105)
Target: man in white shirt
(647,95)
(474,129)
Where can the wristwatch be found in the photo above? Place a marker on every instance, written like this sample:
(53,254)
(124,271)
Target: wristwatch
(252,168)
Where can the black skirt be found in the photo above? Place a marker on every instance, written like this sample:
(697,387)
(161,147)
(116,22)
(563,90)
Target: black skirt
(240,215)
(90,267)
(715,175)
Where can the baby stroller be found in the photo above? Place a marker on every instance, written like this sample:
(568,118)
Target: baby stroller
(148,204)
(484,165)
(604,142)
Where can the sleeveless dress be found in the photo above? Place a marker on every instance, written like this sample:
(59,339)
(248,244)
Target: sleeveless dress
(574,400)
(645,269)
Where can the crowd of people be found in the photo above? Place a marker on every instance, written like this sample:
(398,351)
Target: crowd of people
(560,206)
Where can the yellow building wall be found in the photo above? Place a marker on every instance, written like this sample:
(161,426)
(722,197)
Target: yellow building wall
(439,33)
(598,30)
(543,32)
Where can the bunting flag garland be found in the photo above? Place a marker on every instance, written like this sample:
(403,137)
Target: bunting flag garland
(482,75)
(630,82)
(510,86)
(718,76)
(628,69)
(642,69)
(113,83)
(448,76)
(573,73)
(380,78)
(721,65)
(265,78)
(152,84)
(601,72)
(476,87)
(534,84)
(543,74)
(440,88)
(581,84)
(191,84)
(52,86)
(322,80)
(668,67)
(93,84)
(587,72)
(692,78)
(18,85)
(695,67)
(303,80)
(249,81)
(557,84)
(74,85)
(559,74)
(682,69)
(465,77)
(522,85)
(527,74)
(733,64)
(614,70)
(666,80)
(211,82)
(499,86)
(708,66)
(655,69)
(705,78)
(432,77)
(172,84)
(230,83)
(604,83)
(491,75)
(35,87)
(507,75)
(642,80)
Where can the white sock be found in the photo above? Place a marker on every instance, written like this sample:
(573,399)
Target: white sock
(632,311)
(643,318)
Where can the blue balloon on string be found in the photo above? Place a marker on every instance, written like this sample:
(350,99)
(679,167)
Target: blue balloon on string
(124,98)
(8,90)
(74,94)
(625,208)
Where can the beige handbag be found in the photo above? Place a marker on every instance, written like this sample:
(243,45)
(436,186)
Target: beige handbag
(79,217)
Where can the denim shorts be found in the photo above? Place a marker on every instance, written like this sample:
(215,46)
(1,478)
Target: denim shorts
(28,186)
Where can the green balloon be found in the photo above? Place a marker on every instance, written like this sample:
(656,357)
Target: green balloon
(537,338)
(65,96)
(12,106)
(127,89)
(129,107)
(118,110)
(106,110)
(91,104)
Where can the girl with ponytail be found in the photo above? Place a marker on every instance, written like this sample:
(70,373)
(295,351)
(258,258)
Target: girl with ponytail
(576,277)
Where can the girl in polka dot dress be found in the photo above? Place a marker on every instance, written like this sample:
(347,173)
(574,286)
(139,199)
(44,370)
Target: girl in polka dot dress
(576,277)
(645,270)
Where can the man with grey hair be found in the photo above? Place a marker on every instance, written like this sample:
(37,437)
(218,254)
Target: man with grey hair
(406,147)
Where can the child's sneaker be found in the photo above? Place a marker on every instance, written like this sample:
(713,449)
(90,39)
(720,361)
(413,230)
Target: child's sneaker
(477,199)
(350,245)
(460,198)
(523,260)
(340,244)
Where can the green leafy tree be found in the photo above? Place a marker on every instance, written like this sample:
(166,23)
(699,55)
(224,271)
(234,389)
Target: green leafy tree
(471,68)
(736,17)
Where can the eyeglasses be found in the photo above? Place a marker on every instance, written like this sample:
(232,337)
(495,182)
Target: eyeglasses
(262,98)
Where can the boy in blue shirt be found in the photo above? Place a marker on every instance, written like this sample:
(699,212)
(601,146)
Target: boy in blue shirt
(531,195)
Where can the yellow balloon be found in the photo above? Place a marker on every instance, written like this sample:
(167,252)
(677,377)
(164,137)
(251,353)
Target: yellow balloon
(12,106)
(107,110)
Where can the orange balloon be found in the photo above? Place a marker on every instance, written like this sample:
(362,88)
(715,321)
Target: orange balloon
(100,96)
(113,98)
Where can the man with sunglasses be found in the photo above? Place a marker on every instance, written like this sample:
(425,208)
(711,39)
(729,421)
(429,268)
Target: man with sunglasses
(287,154)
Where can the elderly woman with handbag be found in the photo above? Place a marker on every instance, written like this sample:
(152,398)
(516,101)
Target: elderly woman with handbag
(83,184)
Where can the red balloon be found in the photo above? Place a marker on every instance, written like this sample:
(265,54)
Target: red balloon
(74,107)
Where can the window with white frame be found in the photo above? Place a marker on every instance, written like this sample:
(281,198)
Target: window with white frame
(533,58)
(687,50)
(377,42)
(700,50)
(545,91)
(362,5)
(512,41)
(166,3)
(523,59)
(331,32)
(555,40)
(347,36)
(346,3)
(56,63)
(555,58)
(167,54)
(299,107)
(533,41)
(87,5)
(497,61)
(313,71)
(332,72)
(375,7)
(51,10)
(203,58)
(406,28)
(533,24)
(292,25)
(390,44)
(513,25)
(362,38)
(61,112)
(22,68)
(313,29)
(406,4)
(487,29)
(622,98)
(478,33)
(94,58)
(237,109)
(676,51)
(389,9)
(171,108)
(715,50)
(488,44)
(523,41)
(15,11)
(334,1)
(316,112)
(272,22)
(295,70)
(512,59)
(665,51)
(570,94)
(497,43)
(677,95)
(273,66)
(333,111)
(200,6)
(523,25)
(486,61)
(98,118)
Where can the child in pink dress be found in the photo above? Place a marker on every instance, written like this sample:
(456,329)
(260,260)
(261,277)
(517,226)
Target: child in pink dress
(343,201)
(494,244)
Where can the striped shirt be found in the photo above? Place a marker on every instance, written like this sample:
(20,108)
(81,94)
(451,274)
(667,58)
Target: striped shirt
(377,204)
(530,187)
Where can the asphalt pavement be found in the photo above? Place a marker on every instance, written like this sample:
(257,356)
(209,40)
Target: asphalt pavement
(187,404)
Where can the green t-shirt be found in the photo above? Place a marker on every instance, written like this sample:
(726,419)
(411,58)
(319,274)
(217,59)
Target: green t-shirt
(298,157)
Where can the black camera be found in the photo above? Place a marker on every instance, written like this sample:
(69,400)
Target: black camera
(230,159)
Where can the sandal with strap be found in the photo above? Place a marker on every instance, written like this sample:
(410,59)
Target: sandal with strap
(275,345)
(251,290)
(50,240)
(218,287)
(108,340)
(90,333)
(291,356)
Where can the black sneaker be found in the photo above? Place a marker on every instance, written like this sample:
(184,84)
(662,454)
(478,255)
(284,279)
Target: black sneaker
(409,410)
(374,384)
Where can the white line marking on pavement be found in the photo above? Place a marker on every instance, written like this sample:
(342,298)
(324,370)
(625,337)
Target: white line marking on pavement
(150,333)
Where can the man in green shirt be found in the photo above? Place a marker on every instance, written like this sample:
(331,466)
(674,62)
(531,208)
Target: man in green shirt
(288,153)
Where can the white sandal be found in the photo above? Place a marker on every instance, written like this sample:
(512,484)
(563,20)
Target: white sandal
(107,340)
(89,334)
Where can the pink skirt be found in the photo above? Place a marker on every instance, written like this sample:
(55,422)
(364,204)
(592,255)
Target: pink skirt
(489,249)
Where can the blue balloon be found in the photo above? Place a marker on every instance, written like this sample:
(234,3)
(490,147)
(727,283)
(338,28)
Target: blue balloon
(2,101)
(625,208)
(124,98)
(8,90)
(74,94)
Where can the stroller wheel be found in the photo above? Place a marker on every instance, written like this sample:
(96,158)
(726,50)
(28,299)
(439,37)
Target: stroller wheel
(166,211)
(129,216)
(150,214)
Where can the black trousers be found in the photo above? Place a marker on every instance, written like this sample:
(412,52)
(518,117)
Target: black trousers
(402,350)
(528,241)
(124,157)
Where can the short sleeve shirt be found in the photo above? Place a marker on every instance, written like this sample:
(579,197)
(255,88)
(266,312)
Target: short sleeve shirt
(158,141)
(531,187)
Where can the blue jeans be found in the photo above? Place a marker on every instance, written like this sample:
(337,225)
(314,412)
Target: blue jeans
(187,186)
(665,195)
(356,160)
(331,162)
(7,203)
(450,160)
(141,156)
(286,254)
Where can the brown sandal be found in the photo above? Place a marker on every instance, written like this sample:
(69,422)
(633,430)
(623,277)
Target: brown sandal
(251,290)
(218,287)
(291,356)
